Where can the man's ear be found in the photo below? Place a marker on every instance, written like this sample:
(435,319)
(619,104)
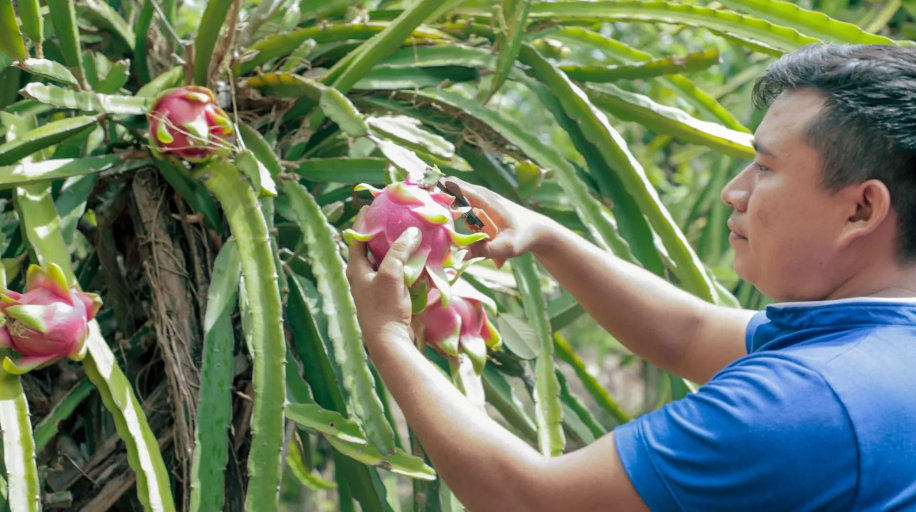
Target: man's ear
(869,205)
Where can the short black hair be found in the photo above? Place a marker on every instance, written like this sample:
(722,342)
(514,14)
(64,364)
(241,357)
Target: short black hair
(867,129)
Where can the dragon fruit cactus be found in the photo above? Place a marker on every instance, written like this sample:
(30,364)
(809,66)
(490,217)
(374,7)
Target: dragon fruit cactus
(404,204)
(49,321)
(460,326)
(187,122)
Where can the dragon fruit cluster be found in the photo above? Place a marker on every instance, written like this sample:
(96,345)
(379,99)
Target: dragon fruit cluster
(449,313)
(49,321)
(187,122)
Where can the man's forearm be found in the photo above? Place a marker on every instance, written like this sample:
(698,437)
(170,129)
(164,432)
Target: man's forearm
(484,464)
(650,316)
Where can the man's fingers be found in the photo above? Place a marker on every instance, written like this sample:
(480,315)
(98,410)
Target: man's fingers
(400,251)
(358,266)
(483,198)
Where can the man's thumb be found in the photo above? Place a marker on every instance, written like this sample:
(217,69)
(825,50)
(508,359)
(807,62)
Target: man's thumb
(400,252)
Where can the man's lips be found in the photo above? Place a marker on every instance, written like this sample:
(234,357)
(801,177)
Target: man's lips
(735,232)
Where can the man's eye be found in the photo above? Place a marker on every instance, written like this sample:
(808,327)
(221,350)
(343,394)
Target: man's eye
(761,168)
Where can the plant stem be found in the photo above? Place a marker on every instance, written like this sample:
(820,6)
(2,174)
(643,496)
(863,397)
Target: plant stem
(250,231)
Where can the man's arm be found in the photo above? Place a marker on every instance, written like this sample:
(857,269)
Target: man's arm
(656,320)
(487,467)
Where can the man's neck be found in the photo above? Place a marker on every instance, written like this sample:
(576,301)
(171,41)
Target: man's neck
(888,281)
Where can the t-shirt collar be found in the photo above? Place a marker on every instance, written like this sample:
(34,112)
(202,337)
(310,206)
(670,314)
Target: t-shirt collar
(781,319)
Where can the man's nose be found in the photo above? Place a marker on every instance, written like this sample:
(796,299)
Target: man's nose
(737,191)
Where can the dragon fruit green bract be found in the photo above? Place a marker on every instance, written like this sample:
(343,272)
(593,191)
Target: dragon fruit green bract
(460,326)
(186,122)
(49,321)
(402,205)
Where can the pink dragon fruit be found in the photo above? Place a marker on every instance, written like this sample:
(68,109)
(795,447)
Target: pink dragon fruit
(404,204)
(47,322)
(460,326)
(187,122)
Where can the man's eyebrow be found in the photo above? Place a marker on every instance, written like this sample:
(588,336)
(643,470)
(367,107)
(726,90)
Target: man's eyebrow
(760,148)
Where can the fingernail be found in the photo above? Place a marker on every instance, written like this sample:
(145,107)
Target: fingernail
(412,232)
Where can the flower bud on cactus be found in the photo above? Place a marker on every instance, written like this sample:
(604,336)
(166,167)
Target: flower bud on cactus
(49,321)
(460,326)
(402,205)
(187,122)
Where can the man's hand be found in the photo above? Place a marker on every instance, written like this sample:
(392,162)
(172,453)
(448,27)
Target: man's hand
(520,229)
(381,297)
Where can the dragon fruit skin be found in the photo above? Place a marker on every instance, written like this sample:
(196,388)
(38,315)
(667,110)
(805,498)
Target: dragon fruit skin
(460,326)
(49,321)
(402,205)
(186,122)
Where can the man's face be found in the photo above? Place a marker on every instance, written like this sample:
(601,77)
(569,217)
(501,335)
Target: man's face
(785,225)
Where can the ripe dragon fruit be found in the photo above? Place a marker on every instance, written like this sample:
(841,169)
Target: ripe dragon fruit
(187,122)
(460,326)
(47,322)
(404,204)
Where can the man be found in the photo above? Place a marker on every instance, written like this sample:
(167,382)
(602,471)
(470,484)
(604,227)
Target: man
(807,406)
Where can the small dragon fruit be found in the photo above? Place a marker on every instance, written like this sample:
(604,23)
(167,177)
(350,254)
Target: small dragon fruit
(460,326)
(47,322)
(404,204)
(187,122)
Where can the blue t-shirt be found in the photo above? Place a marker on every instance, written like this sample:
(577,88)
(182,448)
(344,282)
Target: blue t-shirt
(819,416)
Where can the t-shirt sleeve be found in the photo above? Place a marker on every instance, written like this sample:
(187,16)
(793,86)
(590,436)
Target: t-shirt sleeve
(756,321)
(766,434)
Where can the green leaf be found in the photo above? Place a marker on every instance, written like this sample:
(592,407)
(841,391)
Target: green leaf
(86,101)
(738,25)
(517,336)
(18,444)
(339,308)
(63,17)
(512,17)
(42,137)
(399,461)
(307,478)
(49,69)
(263,297)
(32,22)
(282,44)
(103,16)
(502,397)
(191,191)
(116,77)
(592,213)
(812,23)
(548,408)
(696,61)
(317,366)
(345,75)
(10,38)
(71,203)
(407,131)
(563,311)
(323,421)
(393,78)
(286,85)
(661,119)
(679,84)
(211,24)
(454,54)
(141,29)
(171,78)
(580,412)
(143,452)
(211,440)
(55,169)
(344,170)
(258,174)
(46,429)
(601,396)
(337,107)
(614,150)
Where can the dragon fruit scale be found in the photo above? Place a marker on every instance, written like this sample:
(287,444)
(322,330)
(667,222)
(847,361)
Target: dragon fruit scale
(186,122)
(404,204)
(50,320)
(460,326)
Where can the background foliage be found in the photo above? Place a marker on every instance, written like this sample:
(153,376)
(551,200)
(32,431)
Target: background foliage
(621,119)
